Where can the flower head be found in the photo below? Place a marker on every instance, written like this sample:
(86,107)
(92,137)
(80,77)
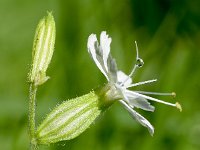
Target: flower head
(120,83)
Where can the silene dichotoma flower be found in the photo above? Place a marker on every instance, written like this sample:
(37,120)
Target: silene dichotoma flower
(119,83)
(72,117)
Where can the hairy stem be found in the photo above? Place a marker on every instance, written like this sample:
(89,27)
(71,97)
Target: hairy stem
(32,105)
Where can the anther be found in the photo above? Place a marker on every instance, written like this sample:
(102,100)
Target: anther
(178,106)
(174,94)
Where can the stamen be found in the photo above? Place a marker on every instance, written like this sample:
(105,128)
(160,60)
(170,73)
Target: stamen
(156,93)
(139,63)
(133,70)
(137,51)
(177,105)
(141,83)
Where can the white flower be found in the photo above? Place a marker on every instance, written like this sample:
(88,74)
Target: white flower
(121,82)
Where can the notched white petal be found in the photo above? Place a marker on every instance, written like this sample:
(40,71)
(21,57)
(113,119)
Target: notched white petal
(143,121)
(91,40)
(123,78)
(101,55)
(141,103)
(93,49)
(138,101)
(139,117)
(112,69)
(105,47)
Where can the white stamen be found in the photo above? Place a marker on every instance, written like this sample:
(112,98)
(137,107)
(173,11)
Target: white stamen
(135,66)
(133,70)
(156,93)
(137,51)
(141,83)
(153,99)
(137,58)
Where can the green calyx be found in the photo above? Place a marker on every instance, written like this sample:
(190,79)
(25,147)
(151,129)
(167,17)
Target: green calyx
(107,96)
(69,119)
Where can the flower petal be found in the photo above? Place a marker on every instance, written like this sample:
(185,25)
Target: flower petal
(105,47)
(138,117)
(112,69)
(93,49)
(101,56)
(123,78)
(153,99)
(138,101)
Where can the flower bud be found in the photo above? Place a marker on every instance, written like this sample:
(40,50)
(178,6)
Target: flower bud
(43,48)
(69,119)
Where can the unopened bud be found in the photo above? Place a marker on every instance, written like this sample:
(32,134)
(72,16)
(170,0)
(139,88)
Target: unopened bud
(43,48)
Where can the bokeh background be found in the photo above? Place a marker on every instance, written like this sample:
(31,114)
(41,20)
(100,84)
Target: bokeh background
(168,36)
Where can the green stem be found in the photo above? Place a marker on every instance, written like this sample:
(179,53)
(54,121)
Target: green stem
(32,105)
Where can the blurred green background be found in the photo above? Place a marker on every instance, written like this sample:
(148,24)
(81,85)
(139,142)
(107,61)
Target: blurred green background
(168,36)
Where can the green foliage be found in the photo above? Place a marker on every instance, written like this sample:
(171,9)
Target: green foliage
(167,33)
